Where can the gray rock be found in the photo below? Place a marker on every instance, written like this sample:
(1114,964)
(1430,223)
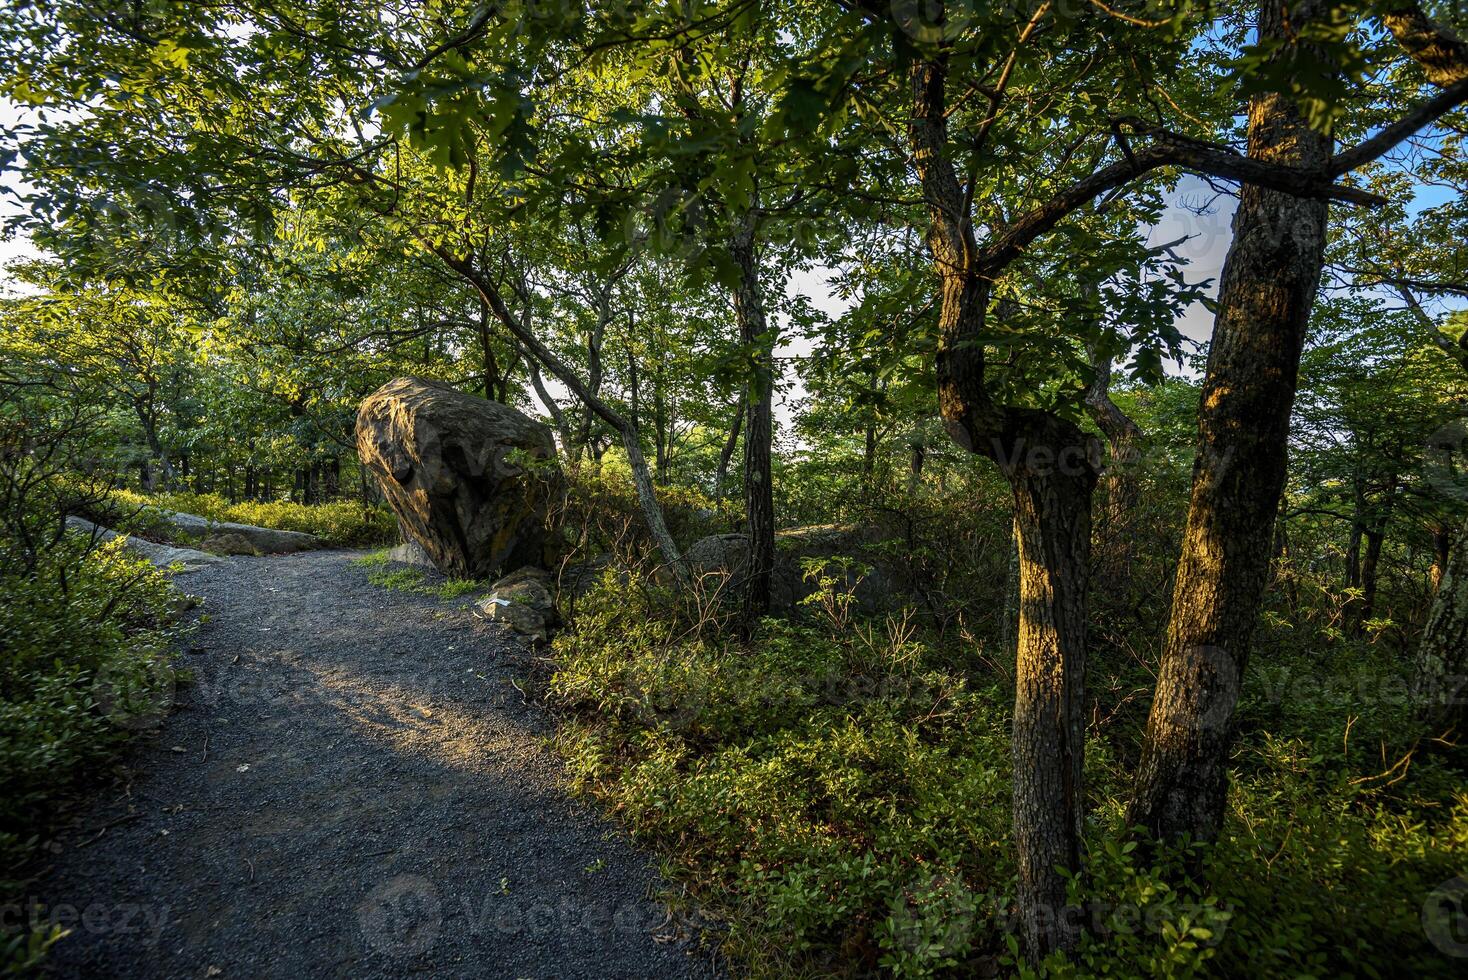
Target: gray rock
(228,543)
(411,553)
(719,565)
(523,601)
(162,555)
(470,480)
(264,540)
(721,562)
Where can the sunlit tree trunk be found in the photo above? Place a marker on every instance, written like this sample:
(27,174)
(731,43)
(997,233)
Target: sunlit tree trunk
(1269,283)
(1052,481)
(1051,466)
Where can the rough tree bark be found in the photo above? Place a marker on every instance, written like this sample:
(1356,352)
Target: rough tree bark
(1269,283)
(757,338)
(1051,466)
(1442,657)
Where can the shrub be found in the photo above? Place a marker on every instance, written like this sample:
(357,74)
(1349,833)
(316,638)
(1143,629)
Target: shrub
(343,523)
(837,800)
(86,660)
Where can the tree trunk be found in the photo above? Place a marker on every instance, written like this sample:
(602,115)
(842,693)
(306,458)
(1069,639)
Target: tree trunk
(1442,658)
(1269,284)
(1374,538)
(730,444)
(1119,480)
(1051,465)
(486,352)
(758,340)
(1053,532)
(149,423)
(647,499)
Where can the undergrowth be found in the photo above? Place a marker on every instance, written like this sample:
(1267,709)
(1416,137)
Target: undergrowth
(86,661)
(343,523)
(835,795)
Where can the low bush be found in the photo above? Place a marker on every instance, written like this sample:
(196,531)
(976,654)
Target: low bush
(836,797)
(344,523)
(86,661)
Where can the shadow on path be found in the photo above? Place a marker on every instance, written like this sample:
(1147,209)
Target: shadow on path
(352,787)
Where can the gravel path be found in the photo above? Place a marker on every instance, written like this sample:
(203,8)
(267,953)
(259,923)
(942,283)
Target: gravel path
(353,787)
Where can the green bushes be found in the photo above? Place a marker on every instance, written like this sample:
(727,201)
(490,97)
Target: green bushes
(344,523)
(837,800)
(829,814)
(601,513)
(86,660)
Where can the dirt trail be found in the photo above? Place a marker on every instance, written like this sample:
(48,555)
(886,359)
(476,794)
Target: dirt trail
(353,787)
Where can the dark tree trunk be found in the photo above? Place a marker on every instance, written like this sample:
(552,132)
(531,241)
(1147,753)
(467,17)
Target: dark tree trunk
(1269,284)
(1369,564)
(1358,529)
(486,353)
(736,424)
(758,340)
(159,464)
(1119,480)
(1442,657)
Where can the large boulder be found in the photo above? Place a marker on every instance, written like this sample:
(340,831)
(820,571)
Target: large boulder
(470,480)
(721,562)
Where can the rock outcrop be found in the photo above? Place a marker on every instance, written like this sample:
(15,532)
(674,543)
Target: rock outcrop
(470,480)
(229,538)
(721,562)
(164,556)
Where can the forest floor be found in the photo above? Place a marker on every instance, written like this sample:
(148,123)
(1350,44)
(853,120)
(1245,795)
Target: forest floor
(352,785)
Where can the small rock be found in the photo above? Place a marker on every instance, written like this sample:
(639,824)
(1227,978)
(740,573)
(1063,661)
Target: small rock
(522,601)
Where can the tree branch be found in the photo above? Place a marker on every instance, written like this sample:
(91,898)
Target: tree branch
(1377,146)
(1440,53)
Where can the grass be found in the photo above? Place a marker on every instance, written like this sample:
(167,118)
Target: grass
(404,578)
(343,523)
